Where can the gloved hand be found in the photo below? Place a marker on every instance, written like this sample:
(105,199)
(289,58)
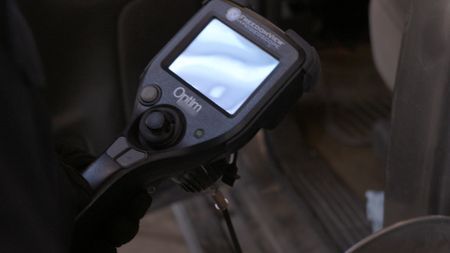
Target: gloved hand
(122,224)
(117,230)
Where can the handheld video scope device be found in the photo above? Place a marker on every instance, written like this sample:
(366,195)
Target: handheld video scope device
(224,76)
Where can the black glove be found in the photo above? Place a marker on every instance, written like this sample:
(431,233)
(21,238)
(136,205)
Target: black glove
(117,230)
(122,223)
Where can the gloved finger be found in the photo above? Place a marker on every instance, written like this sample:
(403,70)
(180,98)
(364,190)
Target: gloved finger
(139,206)
(122,230)
(102,246)
(74,151)
(94,246)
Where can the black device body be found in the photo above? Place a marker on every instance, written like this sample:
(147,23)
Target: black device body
(201,132)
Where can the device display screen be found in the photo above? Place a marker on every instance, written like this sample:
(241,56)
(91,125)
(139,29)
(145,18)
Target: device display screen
(224,66)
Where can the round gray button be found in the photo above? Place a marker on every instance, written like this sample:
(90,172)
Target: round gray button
(149,94)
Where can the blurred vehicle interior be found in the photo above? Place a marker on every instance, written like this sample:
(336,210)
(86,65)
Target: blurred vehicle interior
(318,182)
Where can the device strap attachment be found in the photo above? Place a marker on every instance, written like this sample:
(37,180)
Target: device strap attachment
(221,205)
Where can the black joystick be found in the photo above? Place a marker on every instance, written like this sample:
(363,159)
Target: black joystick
(161,127)
(156,122)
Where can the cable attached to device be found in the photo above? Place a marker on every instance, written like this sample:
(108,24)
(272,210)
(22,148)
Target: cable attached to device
(221,204)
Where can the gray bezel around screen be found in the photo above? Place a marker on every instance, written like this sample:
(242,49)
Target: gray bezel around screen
(254,87)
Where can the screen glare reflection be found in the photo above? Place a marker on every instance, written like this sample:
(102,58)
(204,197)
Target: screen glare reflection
(224,66)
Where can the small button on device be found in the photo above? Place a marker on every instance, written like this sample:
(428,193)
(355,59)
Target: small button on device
(120,146)
(130,158)
(150,94)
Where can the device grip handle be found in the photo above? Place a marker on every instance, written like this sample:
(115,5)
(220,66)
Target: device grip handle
(112,189)
(119,156)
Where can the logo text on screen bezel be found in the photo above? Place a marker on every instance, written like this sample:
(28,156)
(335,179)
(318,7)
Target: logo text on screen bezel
(235,15)
(187,102)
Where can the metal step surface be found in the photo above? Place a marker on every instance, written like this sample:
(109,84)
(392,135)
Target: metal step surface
(288,200)
(353,122)
(269,215)
(337,209)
